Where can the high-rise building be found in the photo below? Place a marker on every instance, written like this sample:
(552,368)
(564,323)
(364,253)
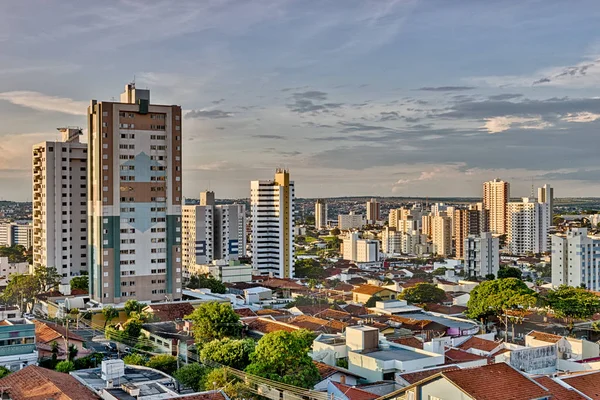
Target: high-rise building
(483,218)
(574,260)
(528,226)
(350,221)
(360,250)
(546,196)
(372,211)
(442,235)
(134,199)
(427,225)
(60,205)
(320,214)
(272,210)
(391,240)
(482,255)
(19,233)
(212,232)
(465,222)
(496,194)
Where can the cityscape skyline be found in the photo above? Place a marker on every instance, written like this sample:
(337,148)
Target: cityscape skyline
(431,117)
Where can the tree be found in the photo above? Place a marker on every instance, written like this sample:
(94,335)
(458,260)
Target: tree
(342,363)
(283,356)
(207,281)
(423,293)
(163,362)
(306,301)
(372,301)
(134,359)
(47,277)
(309,268)
(15,254)
(439,271)
(234,353)
(497,296)
(54,347)
(509,272)
(192,376)
(572,303)
(21,290)
(72,352)
(490,277)
(335,232)
(232,386)
(215,320)
(109,313)
(4,371)
(80,283)
(65,366)
(133,306)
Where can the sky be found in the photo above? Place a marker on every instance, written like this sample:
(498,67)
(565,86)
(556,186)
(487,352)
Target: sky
(373,97)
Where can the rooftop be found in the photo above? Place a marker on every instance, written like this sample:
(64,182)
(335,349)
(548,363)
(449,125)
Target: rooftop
(449,322)
(587,384)
(414,377)
(136,375)
(170,311)
(354,393)
(397,353)
(559,392)
(544,337)
(369,289)
(479,344)
(455,355)
(47,332)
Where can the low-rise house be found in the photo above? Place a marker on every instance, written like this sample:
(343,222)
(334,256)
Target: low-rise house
(260,326)
(168,338)
(410,378)
(9,312)
(315,324)
(331,373)
(393,307)
(329,349)
(46,333)
(480,346)
(463,358)
(169,311)
(341,391)
(17,344)
(568,347)
(363,293)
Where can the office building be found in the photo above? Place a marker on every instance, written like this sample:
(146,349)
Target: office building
(320,214)
(360,250)
(272,210)
(212,232)
(350,221)
(465,222)
(442,235)
(575,260)
(372,211)
(496,195)
(16,233)
(527,226)
(482,255)
(60,204)
(134,199)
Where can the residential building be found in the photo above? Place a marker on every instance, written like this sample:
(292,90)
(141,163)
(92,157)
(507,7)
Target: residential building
(226,272)
(482,255)
(466,222)
(496,195)
(47,333)
(350,221)
(373,211)
(8,269)
(546,197)
(483,216)
(363,293)
(18,233)
(427,225)
(60,204)
(272,210)
(321,214)
(134,199)
(360,250)
(442,235)
(17,344)
(391,240)
(575,260)
(212,232)
(527,226)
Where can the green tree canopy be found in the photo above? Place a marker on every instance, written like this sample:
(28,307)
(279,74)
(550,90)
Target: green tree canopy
(509,272)
(572,303)
(109,313)
(4,371)
(65,366)
(232,386)
(21,290)
(80,283)
(134,359)
(283,356)
(309,268)
(335,232)
(215,320)
(207,281)
(494,297)
(423,293)
(15,254)
(163,362)
(233,353)
(306,301)
(372,302)
(133,306)
(439,271)
(192,376)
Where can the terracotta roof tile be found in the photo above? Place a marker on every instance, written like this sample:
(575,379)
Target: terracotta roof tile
(409,341)
(356,310)
(334,314)
(414,377)
(327,370)
(46,332)
(448,310)
(266,325)
(479,344)
(279,283)
(558,391)
(272,312)
(211,395)
(588,384)
(245,312)
(369,289)
(544,337)
(37,383)
(354,393)
(318,324)
(170,311)
(312,310)
(457,356)
(495,382)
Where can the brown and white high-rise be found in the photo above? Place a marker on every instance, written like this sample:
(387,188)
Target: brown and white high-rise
(496,194)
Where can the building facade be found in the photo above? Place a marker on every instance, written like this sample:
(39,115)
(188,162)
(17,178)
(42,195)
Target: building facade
(482,255)
(442,235)
(575,261)
(350,221)
(528,226)
(18,348)
(321,214)
(16,233)
(134,199)
(272,210)
(496,195)
(373,211)
(359,250)
(466,222)
(60,205)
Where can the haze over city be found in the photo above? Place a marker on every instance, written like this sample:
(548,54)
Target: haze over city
(382,98)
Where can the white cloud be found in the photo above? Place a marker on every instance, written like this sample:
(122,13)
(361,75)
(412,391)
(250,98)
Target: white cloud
(581,117)
(44,102)
(501,124)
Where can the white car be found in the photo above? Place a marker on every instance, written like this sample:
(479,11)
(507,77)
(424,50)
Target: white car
(28,316)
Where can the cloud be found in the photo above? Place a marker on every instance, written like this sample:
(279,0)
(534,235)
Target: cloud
(311,95)
(501,124)
(581,117)
(44,102)
(446,88)
(505,96)
(215,102)
(389,116)
(210,114)
(573,175)
(275,137)
(423,176)
(358,127)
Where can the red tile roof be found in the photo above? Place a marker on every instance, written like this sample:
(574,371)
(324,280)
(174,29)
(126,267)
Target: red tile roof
(588,384)
(170,311)
(327,370)
(414,377)
(244,312)
(495,382)
(369,289)
(558,391)
(46,332)
(456,355)
(479,344)
(356,310)
(210,395)
(448,310)
(278,283)
(354,393)
(312,310)
(318,324)
(544,337)
(409,341)
(37,383)
(334,314)
(267,325)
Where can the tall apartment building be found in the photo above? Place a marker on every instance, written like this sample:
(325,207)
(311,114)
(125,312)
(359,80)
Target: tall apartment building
(442,235)
(465,222)
(350,221)
(212,232)
(272,211)
(574,259)
(528,226)
(482,255)
(321,214)
(16,233)
(427,225)
(546,196)
(391,240)
(373,211)
(496,194)
(134,199)
(60,205)
(359,250)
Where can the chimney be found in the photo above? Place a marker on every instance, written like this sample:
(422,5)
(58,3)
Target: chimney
(343,379)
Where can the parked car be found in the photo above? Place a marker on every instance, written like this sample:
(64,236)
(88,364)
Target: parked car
(28,316)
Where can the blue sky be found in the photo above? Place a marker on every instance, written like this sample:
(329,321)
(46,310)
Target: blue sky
(380,97)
